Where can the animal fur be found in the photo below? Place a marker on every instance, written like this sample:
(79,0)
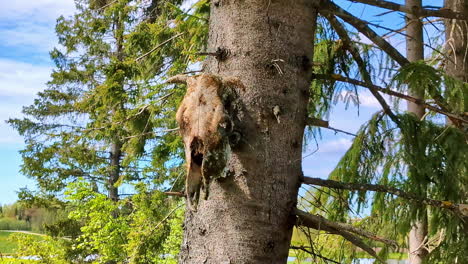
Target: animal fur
(205,125)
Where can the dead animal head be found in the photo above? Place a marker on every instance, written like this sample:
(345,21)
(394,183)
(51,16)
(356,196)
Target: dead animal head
(205,127)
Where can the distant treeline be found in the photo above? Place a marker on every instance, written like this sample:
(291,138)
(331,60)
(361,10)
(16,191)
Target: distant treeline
(18,217)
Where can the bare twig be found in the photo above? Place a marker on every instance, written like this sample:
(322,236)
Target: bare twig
(421,102)
(180,78)
(180,194)
(458,209)
(312,121)
(320,223)
(158,46)
(333,9)
(422,12)
(313,253)
(355,53)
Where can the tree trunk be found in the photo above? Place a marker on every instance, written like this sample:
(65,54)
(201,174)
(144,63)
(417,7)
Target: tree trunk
(115,155)
(116,146)
(456,35)
(415,52)
(247,217)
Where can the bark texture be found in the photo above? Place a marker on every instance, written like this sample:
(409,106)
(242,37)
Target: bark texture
(248,216)
(415,52)
(456,35)
(115,154)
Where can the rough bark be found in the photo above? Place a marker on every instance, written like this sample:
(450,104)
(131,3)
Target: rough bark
(115,155)
(116,145)
(456,35)
(415,52)
(248,216)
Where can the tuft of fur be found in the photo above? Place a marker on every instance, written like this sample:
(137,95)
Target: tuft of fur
(205,125)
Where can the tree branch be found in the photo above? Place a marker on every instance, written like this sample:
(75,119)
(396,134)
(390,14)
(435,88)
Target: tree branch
(441,12)
(349,228)
(361,25)
(180,194)
(421,102)
(355,53)
(459,209)
(320,223)
(158,46)
(332,9)
(312,121)
(313,254)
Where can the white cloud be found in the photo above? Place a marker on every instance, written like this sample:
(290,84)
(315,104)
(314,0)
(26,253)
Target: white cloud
(19,83)
(366,99)
(29,35)
(22,79)
(37,10)
(337,146)
(8,134)
(29,25)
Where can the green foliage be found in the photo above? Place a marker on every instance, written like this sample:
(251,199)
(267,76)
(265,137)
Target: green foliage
(46,249)
(9,245)
(417,156)
(6,246)
(434,84)
(156,228)
(106,90)
(103,230)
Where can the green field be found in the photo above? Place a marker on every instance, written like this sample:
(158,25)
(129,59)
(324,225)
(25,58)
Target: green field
(16,261)
(8,247)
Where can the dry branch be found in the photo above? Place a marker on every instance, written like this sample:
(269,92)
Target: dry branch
(312,121)
(458,209)
(355,53)
(423,12)
(369,86)
(320,223)
(361,25)
(158,46)
(350,228)
(313,253)
(330,9)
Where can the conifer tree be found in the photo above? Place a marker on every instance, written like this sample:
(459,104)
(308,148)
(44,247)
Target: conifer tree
(276,66)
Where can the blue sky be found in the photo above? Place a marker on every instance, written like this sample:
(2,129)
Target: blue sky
(27,30)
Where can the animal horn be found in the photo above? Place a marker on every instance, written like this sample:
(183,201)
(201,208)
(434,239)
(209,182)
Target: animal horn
(180,78)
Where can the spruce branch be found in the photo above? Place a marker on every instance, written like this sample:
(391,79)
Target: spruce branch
(460,210)
(346,231)
(330,9)
(305,249)
(420,12)
(369,86)
(158,46)
(355,53)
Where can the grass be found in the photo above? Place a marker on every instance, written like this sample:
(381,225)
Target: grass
(16,261)
(6,246)
(9,247)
